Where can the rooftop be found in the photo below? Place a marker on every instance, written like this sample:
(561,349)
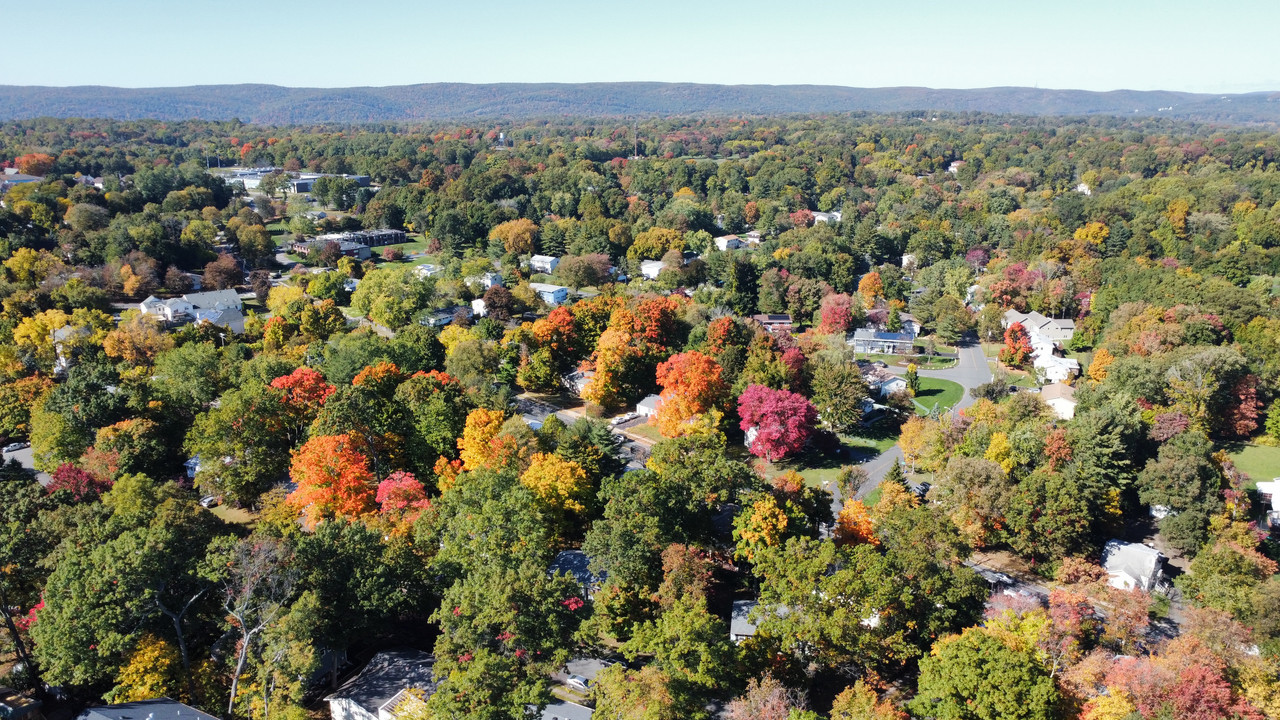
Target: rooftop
(155,709)
(387,674)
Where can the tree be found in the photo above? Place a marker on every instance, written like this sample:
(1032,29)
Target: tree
(333,479)
(643,694)
(761,525)
(853,525)
(223,273)
(765,699)
(476,444)
(243,443)
(691,387)
(690,645)
(498,303)
(859,702)
(781,421)
(518,236)
(401,491)
(974,675)
(839,395)
(871,289)
(838,314)
(1017,346)
(913,379)
(559,485)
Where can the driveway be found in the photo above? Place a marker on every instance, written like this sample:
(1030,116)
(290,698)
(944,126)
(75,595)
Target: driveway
(27,460)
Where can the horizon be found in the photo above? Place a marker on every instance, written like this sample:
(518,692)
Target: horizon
(922,43)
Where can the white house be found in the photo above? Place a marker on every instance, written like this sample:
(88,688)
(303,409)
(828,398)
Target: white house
(827,217)
(871,341)
(1060,397)
(381,687)
(649,406)
(650,269)
(1132,565)
(170,310)
(229,318)
(1269,496)
(214,300)
(426,270)
(1053,368)
(490,279)
(551,294)
(728,242)
(880,380)
(910,325)
(1053,329)
(753,237)
(544,263)
(478,308)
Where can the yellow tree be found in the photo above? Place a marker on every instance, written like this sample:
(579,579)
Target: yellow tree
(1000,451)
(476,444)
(517,236)
(153,669)
(562,486)
(871,288)
(137,341)
(760,526)
(1098,367)
(853,525)
(918,436)
(1094,233)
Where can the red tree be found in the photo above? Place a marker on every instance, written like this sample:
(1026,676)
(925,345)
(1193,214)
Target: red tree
(836,313)
(333,479)
(691,385)
(401,491)
(778,422)
(1017,346)
(304,390)
(82,485)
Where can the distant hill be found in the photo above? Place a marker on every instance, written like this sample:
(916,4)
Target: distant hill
(272,104)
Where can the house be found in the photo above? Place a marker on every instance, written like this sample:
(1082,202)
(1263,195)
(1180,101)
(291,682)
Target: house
(728,242)
(65,340)
(161,708)
(1053,368)
(648,407)
(544,263)
(478,308)
(827,217)
(214,300)
(369,238)
(1055,330)
(1269,498)
(550,294)
(1060,397)
(753,237)
(1083,189)
(444,316)
(741,626)
(359,251)
(487,280)
(908,261)
(885,343)
(426,270)
(577,380)
(170,311)
(1132,565)
(910,324)
(651,269)
(231,319)
(576,564)
(774,323)
(880,380)
(534,423)
(382,686)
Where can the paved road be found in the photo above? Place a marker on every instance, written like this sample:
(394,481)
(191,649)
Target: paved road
(970,371)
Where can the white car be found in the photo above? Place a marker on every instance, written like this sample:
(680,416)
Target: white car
(579,682)
(210,501)
(14,447)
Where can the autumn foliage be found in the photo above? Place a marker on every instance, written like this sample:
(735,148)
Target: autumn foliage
(691,386)
(781,421)
(333,479)
(562,486)
(853,525)
(1017,346)
(477,442)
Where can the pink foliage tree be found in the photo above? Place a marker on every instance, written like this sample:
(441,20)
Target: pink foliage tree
(780,420)
(836,313)
(82,484)
(401,491)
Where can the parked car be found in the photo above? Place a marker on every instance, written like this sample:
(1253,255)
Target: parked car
(625,417)
(210,501)
(16,446)
(579,682)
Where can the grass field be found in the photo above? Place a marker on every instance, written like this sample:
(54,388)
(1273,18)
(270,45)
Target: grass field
(924,362)
(235,516)
(1258,461)
(936,392)
(647,431)
(819,467)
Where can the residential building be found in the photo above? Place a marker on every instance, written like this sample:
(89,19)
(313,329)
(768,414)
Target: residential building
(65,340)
(382,686)
(444,316)
(565,710)
(1132,565)
(161,708)
(359,251)
(774,323)
(728,242)
(16,707)
(1060,397)
(486,280)
(880,380)
(214,300)
(650,269)
(478,308)
(827,217)
(1269,498)
(910,325)
(883,343)
(1055,330)
(426,270)
(230,318)
(741,625)
(171,310)
(551,294)
(577,380)
(1053,368)
(544,263)
(753,237)
(576,564)
(649,406)
(371,238)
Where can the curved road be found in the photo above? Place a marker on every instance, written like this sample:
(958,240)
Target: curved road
(971,370)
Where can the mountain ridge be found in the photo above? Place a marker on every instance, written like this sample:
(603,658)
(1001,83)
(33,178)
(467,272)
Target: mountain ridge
(274,104)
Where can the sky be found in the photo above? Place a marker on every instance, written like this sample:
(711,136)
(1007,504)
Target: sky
(1220,46)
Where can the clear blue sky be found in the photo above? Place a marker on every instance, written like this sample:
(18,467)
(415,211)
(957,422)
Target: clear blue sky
(1220,46)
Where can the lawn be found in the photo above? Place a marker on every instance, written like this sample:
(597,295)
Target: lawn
(235,516)
(925,362)
(936,392)
(645,430)
(819,467)
(1258,461)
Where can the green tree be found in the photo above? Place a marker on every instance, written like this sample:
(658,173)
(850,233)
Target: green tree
(974,676)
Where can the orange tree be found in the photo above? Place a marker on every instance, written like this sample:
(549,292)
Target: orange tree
(333,479)
(691,385)
(476,444)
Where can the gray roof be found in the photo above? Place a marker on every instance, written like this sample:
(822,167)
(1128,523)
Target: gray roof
(865,334)
(740,621)
(563,710)
(386,675)
(575,563)
(1138,561)
(155,709)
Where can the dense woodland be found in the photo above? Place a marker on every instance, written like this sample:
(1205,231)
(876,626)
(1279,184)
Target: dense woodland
(385,490)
